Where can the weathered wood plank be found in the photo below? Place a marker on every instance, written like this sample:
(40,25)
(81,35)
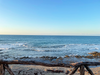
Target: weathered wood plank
(88,63)
(8,69)
(89,70)
(2,69)
(75,65)
(82,70)
(74,70)
(50,65)
(35,63)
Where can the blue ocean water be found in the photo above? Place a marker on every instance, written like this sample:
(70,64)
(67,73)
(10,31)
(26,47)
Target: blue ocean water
(39,45)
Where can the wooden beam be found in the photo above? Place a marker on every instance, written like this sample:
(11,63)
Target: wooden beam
(8,69)
(75,65)
(82,70)
(74,70)
(50,64)
(35,63)
(89,70)
(88,63)
(2,69)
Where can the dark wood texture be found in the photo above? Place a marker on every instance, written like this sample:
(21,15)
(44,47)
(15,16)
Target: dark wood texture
(2,69)
(8,69)
(89,70)
(4,65)
(34,63)
(82,70)
(74,70)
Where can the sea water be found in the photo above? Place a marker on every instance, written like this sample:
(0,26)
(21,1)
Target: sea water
(16,46)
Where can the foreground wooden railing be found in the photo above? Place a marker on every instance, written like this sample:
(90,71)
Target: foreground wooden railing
(4,65)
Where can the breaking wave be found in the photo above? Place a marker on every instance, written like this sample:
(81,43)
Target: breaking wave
(10,46)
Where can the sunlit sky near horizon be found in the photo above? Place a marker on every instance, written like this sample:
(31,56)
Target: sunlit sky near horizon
(50,17)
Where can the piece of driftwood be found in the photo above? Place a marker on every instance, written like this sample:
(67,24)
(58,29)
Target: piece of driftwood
(50,65)
(89,70)
(8,69)
(82,70)
(35,63)
(88,63)
(81,65)
(74,70)
(2,69)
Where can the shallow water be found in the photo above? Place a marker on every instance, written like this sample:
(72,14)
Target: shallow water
(17,46)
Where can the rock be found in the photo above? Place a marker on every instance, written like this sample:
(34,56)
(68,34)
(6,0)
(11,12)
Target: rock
(51,58)
(67,72)
(91,57)
(24,57)
(95,54)
(66,56)
(70,69)
(47,57)
(42,57)
(60,58)
(78,56)
(55,57)
(56,71)
(45,70)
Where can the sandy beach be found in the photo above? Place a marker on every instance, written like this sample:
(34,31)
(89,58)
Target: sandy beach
(42,70)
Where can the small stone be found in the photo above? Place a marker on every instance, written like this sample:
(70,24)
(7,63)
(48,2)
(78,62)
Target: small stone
(35,73)
(78,70)
(45,69)
(70,69)
(67,72)
(66,56)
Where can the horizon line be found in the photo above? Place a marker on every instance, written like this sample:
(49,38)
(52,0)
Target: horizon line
(49,35)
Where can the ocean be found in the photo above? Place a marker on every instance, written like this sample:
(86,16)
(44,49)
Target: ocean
(17,46)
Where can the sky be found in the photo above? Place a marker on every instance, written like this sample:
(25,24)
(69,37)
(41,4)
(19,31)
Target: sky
(50,17)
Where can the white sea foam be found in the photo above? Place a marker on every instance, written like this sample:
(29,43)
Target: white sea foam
(10,46)
(70,47)
(22,49)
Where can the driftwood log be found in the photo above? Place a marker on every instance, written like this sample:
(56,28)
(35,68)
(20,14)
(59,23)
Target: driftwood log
(4,65)
(2,69)
(35,63)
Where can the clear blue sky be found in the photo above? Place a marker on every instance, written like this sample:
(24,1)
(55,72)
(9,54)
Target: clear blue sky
(50,17)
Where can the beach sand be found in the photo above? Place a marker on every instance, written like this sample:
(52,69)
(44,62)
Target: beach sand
(42,70)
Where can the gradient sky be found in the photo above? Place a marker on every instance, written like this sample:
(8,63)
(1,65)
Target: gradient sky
(50,17)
